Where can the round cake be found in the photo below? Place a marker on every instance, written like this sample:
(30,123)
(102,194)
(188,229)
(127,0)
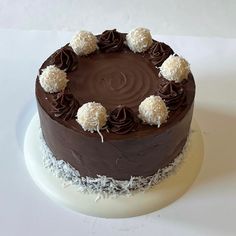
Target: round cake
(116,105)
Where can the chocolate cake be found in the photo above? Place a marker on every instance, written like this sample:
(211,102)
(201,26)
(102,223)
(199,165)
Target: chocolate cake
(116,105)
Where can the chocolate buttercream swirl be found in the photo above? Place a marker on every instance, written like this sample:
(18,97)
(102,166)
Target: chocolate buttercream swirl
(122,120)
(65,59)
(111,41)
(159,52)
(64,105)
(173,94)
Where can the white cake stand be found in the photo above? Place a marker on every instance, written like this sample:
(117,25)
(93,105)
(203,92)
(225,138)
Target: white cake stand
(139,203)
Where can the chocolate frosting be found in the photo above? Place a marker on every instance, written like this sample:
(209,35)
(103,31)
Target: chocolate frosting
(111,41)
(114,78)
(159,52)
(65,59)
(64,105)
(122,120)
(173,94)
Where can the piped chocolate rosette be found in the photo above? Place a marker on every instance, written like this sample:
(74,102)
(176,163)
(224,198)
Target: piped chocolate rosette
(64,105)
(122,120)
(111,41)
(159,52)
(65,59)
(173,94)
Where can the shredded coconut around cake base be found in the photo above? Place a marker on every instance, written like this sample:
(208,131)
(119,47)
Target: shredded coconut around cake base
(105,186)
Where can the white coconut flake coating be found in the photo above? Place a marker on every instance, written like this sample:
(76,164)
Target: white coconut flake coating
(105,186)
(175,68)
(52,79)
(84,43)
(92,116)
(153,111)
(139,39)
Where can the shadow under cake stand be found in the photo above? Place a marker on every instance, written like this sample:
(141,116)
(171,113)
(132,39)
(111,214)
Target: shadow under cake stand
(139,203)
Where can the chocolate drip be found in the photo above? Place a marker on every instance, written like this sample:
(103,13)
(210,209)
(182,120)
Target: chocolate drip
(111,41)
(64,106)
(65,59)
(122,120)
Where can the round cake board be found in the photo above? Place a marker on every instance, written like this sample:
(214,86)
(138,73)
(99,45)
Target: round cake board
(139,203)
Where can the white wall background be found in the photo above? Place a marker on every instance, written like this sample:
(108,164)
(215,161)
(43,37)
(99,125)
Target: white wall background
(180,17)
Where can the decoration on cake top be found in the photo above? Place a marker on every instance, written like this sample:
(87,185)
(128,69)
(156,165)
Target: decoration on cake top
(52,79)
(111,41)
(84,43)
(175,68)
(153,111)
(172,93)
(122,120)
(92,117)
(65,59)
(159,52)
(139,39)
(64,105)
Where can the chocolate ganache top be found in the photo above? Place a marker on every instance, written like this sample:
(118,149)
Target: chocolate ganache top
(118,78)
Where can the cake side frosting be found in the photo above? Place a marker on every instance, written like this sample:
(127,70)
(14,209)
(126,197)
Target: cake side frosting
(107,186)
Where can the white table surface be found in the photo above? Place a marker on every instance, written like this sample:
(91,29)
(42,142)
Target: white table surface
(208,208)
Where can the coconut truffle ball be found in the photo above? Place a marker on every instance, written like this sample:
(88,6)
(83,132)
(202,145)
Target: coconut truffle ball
(92,116)
(53,79)
(139,39)
(153,111)
(175,68)
(84,43)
